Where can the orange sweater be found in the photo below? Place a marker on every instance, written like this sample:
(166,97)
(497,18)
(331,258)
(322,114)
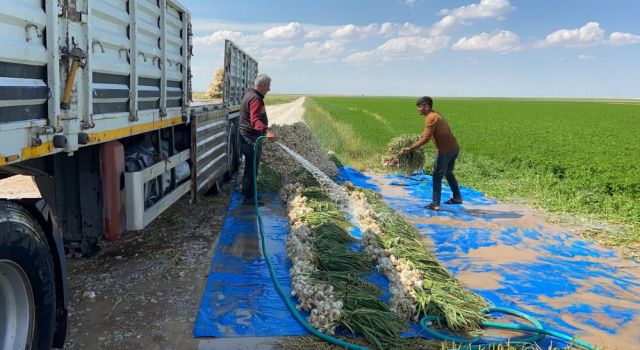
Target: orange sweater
(436,127)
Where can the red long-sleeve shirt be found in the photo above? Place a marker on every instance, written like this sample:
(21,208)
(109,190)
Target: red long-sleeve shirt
(256,111)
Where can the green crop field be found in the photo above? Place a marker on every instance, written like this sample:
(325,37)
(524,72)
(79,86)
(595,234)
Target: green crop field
(577,157)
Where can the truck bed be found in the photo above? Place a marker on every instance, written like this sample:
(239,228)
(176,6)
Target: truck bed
(133,75)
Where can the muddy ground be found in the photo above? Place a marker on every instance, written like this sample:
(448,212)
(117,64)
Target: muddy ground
(143,291)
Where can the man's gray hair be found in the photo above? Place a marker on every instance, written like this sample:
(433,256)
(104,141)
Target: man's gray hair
(261,80)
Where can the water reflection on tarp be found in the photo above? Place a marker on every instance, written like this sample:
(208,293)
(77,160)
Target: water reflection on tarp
(513,258)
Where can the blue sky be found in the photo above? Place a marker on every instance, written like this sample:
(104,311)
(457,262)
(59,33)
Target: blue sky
(427,47)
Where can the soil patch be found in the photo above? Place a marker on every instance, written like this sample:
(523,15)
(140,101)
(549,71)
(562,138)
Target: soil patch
(143,291)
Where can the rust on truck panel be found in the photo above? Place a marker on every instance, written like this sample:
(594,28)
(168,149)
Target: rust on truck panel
(70,11)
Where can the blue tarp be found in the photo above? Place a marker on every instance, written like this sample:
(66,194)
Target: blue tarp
(569,284)
(240,299)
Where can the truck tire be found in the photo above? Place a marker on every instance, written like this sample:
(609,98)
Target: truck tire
(27,281)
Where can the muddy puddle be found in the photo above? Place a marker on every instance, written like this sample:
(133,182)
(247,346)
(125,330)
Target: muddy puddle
(515,258)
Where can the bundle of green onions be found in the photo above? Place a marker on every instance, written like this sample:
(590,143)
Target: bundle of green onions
(268,179)
(400,162)
(419,284)
(328,275)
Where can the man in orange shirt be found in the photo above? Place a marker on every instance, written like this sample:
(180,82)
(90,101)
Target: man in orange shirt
(447,150)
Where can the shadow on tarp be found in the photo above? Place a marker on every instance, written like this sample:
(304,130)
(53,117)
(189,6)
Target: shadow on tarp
(568,284)
(240,299)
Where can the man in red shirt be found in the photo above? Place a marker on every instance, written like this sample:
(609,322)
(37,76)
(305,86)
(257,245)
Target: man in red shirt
(253,124)
(447,150)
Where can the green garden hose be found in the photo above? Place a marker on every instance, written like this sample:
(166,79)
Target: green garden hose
(537,331)
(458,340)
(272,272)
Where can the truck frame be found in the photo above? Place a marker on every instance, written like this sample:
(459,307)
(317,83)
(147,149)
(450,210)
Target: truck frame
(95,106)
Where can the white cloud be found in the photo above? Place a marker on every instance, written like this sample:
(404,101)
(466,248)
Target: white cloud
(398,49)
(407,29)
(586,57)
(410,3)
(618,38)
(215,41)
(321,52)
(217,36)
(214,25)
(461,15)
(484,9)
(274,56)
(315,34)
(351,32)
(445,25)
(589,34)
(502,42)
(360,58)
(290,31)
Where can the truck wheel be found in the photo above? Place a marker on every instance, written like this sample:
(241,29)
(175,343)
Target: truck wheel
(27,281)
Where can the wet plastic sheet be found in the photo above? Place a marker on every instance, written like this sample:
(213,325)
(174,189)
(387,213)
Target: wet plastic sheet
(240,299)
(568,284)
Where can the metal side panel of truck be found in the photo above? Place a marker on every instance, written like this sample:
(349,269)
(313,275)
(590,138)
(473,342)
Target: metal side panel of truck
(133,74)
(85,87)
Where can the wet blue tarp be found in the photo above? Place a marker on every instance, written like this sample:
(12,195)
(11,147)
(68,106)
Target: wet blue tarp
(357,178)
(240,299)
(555,274)
(551,266)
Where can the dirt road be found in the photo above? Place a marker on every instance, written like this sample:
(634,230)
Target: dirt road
(286,113)
(18,186)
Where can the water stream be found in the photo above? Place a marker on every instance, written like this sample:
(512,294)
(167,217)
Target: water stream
(335,191)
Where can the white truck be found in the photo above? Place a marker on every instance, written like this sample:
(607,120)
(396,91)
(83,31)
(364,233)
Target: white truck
(95,106)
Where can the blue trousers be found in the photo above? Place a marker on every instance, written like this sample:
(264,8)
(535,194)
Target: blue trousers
(443,166)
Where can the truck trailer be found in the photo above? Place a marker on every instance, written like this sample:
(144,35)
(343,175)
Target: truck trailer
(95,105)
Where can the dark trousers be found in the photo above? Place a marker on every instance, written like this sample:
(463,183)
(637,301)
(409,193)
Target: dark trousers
(246,146)
(443,166)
